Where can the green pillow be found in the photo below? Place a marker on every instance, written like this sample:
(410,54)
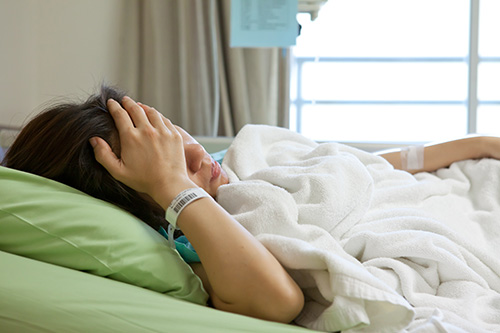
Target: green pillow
(51,222)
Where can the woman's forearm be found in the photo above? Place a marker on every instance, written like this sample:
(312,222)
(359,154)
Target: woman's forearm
(242,275)
(436,156)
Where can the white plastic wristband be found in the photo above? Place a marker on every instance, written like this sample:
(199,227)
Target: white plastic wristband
(412,158)
(177,205)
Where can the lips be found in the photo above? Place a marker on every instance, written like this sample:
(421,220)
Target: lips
(215,170)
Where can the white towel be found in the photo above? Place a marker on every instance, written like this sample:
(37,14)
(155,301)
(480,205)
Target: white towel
(364,241)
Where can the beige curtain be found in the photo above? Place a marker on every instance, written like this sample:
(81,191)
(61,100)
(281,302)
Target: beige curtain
(187,70)
(172,54)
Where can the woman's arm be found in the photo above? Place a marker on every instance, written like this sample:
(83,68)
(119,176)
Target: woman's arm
(440,155)
(240,274)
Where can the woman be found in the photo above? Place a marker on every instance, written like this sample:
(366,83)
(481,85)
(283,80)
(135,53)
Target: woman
(143,164)
(153,161)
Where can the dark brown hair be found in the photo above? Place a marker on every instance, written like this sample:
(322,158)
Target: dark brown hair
(55,144)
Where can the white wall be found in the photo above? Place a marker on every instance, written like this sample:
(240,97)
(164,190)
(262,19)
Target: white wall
(55,48)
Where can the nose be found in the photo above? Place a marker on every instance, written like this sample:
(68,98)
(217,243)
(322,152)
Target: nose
(195,154)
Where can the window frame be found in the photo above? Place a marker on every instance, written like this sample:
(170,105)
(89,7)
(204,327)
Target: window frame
(472,61)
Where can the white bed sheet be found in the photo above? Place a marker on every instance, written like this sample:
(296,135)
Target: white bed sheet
(373,248)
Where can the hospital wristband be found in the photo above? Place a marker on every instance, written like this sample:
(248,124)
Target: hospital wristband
(177,205)
(412,158)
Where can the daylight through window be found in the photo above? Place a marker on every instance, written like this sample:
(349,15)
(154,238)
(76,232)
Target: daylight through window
(397,71)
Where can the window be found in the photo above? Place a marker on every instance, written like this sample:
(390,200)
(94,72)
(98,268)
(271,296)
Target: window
(397,71)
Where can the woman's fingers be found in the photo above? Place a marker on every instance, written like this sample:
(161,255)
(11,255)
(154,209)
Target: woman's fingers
(120,115)
(105,155)
(155,118)
(135,111)
(147,142)
(134,114)
(168,124)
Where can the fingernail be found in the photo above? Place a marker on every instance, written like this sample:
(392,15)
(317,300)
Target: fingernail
(93,142)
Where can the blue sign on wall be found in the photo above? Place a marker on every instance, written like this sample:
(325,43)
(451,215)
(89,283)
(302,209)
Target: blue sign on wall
(263,23)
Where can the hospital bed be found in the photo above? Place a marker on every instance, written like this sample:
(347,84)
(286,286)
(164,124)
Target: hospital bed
(72,263)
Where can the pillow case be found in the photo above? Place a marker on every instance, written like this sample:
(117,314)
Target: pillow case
(51,222)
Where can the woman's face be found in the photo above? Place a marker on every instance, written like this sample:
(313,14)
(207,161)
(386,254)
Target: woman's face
(201,168)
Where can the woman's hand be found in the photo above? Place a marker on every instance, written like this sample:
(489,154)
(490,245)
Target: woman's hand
(151,157)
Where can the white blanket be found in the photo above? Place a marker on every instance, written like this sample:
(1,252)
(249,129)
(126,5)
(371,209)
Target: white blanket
(373,248)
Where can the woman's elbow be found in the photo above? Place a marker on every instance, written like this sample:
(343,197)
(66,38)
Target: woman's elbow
(286,306)
(282,305)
